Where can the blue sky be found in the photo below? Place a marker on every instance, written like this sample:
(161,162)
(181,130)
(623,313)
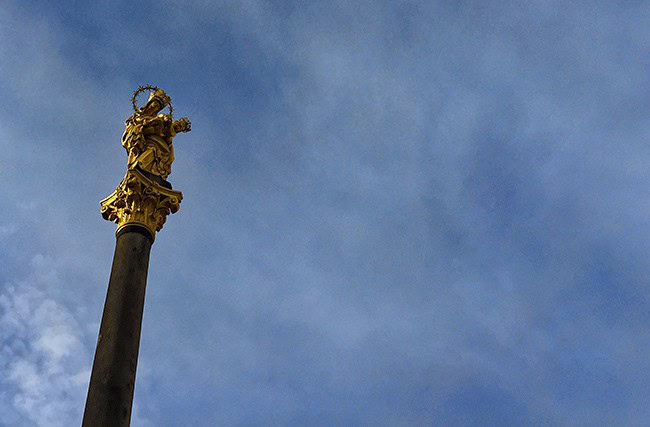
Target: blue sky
(395,213)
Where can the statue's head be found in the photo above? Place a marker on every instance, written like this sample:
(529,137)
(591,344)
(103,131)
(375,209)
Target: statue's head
(157,101)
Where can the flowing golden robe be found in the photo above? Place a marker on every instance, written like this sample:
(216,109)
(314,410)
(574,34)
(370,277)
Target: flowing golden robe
(148,142)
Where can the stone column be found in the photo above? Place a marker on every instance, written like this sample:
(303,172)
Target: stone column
(112,381)
(139,205)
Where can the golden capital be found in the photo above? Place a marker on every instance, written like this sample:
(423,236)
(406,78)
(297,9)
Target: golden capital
(144,197)
(140,201)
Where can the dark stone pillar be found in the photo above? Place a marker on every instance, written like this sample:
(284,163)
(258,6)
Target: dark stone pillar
(110,394)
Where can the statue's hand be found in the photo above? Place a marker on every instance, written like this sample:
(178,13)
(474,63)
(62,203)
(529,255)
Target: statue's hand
(182,125)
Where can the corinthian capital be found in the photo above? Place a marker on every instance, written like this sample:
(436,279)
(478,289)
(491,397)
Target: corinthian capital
(140,201)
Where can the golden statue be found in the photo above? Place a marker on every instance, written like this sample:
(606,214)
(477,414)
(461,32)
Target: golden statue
(148,135)
(144,197)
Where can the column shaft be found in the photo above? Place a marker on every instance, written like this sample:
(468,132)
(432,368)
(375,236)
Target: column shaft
(110,394)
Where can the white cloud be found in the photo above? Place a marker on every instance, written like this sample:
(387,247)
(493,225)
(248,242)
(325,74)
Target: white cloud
(43,362)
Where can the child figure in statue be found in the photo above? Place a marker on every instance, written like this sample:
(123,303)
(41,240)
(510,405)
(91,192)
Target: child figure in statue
(148,137)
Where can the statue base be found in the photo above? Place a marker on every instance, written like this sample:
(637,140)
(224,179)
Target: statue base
(140,201)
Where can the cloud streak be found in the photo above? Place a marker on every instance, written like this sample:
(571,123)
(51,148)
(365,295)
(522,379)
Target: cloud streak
(44,362)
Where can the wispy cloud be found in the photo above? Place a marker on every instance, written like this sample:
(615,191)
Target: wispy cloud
(43,360)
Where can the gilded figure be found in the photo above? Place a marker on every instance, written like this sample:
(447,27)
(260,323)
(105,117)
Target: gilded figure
(144,197)
(148,136)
